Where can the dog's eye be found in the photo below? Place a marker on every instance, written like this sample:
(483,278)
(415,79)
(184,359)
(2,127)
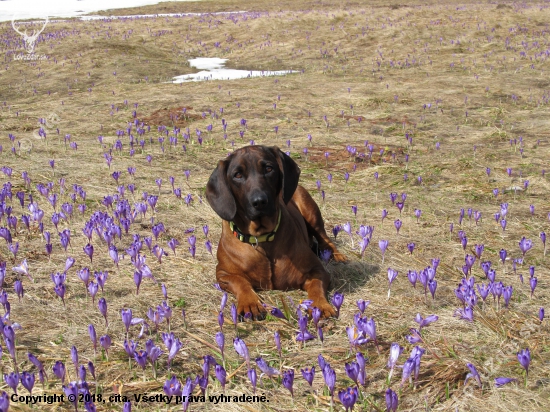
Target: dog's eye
(268,169)
(238,175)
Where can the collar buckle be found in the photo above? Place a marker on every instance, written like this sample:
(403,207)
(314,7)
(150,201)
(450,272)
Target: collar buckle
(254,240)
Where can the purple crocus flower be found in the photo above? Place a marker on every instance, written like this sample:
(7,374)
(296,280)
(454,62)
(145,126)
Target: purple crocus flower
(18,286)
(59,371)
(60,291)
(34,360)
(74,358)
(91,368)
(137,279)
(288,380)
(413,276)
(130,347)
(242,350)
(27,380)
(352,370)
(82,373)
(220,341)
(277,338)
(172,387)
(464,242)
(265,368)
(329,375)
(12,380)
(395,351)
(533,284)
(361,376)
(356,337)
(304,334)
(392,400)
(23,268)
(102,306)
(253,377)
(392,275)
(432,286)
(278,313)
(348,397)
(465,313)
(105,342)
(473,374)
(308,374)
(524,359)
(141,358)
(383,245)
(422,322)
(369,327)
(71,390)
(501,381)
(337,300)
(173,243)
(398,223)
(408,369)
(93,335)
(525,245)
(234,315)
(126,315)
(502,255)
(221,375)
(399,206)
(414,337)
(89,250)
(220,320)
(507,294)
(362,305)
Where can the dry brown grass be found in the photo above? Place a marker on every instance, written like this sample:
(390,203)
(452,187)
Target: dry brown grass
(295,35)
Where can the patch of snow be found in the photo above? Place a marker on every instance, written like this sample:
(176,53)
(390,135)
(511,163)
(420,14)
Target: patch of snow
(212,68)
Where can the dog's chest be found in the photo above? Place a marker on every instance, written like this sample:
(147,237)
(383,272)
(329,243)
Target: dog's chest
(282,270)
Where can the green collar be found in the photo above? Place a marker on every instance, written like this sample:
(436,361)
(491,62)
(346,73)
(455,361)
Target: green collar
(253,240)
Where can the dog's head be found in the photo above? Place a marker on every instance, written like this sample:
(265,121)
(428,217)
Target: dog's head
(245,187)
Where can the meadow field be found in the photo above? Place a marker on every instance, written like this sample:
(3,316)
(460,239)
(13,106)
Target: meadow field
(422,130)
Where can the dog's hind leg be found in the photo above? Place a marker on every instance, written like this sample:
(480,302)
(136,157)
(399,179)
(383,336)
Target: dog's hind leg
(314,222)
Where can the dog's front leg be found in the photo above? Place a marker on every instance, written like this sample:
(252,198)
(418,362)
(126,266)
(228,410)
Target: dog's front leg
(247,300)
(316,288)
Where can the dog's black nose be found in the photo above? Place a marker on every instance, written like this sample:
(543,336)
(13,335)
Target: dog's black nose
(259,200)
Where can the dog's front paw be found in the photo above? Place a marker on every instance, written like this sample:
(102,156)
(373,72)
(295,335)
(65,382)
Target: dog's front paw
(327,311)
(339,257)
(250,306)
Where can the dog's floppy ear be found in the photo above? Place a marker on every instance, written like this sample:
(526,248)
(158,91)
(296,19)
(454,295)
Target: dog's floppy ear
(290,172)
(219,195)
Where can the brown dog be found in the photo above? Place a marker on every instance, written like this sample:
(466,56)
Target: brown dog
(268,227)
